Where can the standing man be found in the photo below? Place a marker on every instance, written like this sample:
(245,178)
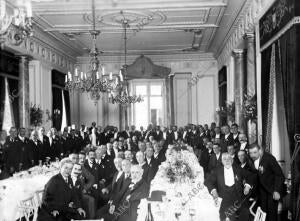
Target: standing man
(270,180)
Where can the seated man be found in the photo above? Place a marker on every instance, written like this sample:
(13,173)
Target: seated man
(59,201)
(126,210)
(105,211)
(88,181)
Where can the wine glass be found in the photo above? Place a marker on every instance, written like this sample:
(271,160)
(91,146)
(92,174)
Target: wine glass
(192,213)
(177,213)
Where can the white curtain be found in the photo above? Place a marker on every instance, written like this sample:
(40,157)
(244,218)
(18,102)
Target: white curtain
(64,113)
(8,118)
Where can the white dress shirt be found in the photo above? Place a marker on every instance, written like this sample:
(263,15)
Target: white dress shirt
(119,175)
(226,136)
(228,176)
(256,163)
(218,156)
(217,136)
(243,146)
(73,180)
(165,135)
(176,135)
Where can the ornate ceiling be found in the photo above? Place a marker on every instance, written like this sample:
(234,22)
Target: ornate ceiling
(156,27)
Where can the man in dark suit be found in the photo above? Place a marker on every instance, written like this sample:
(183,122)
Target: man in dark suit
(226,139)
(143,133)
(55,147)
(235,135)
(216,158)
(127,209)
(10,152)
(88,180)
(65,144)
(114,187)
(45,142)
(232,185)
(23,156)
(205,157)
(134,132)
(159,153)
(106,211)
(158,134)
(152,164)
(270,180)
(59,201)
(243,143)
(91,166)
(36,152)
(140,158)
(3,146)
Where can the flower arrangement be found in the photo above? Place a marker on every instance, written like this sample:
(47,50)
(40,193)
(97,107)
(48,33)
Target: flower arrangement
(227,111)
(36,115)
(250,107)
(179,171)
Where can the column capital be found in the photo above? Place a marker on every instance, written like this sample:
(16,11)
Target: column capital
(249,36)
(238,53)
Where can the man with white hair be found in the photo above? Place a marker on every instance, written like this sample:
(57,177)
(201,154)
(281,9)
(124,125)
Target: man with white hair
(106,212)
(126,210)
(59,200)
(233,185)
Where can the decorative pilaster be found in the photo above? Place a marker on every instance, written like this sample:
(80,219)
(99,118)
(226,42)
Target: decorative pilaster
(24,91)
(171,98)
(251,73)
(251,81)
(239,86)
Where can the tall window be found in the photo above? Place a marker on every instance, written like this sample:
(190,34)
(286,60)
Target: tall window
(152,109)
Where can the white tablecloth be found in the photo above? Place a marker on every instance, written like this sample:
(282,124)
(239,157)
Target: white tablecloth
(14,190)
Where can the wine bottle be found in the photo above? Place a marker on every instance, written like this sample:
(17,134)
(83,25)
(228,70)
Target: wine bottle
(149,216)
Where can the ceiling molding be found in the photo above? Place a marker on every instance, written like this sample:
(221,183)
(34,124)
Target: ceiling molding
(154,58)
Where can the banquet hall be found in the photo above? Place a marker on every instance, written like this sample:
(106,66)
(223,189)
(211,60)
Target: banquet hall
(149,110)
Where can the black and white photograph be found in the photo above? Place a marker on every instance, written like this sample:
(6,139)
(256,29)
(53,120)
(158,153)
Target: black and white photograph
(149,110)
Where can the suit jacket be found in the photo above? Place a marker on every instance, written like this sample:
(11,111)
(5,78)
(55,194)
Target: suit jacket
(160,157)
(36,151)
(46,146)
(106,169)
(137,191)
(270,175)
(214,162)
(89,179)
(101,139)
(152,169)
(94,170)
(57,196)
(204,159)
(226,142)
(116,199)
(115,185)
(55,148)
(10,153)
(173,138)
(23,155)
(216,180)
(158,135)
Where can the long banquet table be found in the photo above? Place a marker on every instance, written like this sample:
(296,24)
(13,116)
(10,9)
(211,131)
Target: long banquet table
(20,187)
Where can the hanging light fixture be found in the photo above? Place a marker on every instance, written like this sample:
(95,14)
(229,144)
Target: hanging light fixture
(16,26)
(123,97)
(94,81)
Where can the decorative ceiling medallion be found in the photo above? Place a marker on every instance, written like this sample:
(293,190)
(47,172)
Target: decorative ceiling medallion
(135,18)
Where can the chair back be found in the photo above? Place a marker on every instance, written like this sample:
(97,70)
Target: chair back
(27,208)
(260,215)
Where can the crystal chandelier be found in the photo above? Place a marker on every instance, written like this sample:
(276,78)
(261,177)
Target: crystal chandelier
(92,81)
(17,26)
(123,97)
